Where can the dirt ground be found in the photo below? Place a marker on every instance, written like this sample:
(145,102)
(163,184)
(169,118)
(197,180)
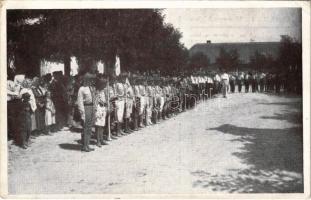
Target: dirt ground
(245,143)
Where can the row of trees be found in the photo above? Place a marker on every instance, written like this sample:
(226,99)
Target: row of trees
(289,56)
(139,36)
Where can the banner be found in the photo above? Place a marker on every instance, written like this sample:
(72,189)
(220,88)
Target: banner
(117,66)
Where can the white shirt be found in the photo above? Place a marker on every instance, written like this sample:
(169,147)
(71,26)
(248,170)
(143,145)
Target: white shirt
(217,77)
(84,97)
(209,80)
(225,76)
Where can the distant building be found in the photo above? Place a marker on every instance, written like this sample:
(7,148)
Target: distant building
(245,50)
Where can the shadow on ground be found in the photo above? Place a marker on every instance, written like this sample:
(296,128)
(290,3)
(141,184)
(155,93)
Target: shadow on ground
(67,146)
(268,149)
(291,117)
(274,157)
(295,104)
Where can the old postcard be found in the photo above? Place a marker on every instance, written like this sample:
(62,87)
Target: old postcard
(183,99)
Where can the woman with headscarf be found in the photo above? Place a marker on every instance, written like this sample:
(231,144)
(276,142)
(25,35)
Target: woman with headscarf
(39,92)
(13,101)
(59,98)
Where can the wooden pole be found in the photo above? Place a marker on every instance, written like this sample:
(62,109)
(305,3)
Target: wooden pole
(108,105)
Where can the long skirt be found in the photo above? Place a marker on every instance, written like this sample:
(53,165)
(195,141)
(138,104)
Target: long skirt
(40,118)
(33,122)
(49,118)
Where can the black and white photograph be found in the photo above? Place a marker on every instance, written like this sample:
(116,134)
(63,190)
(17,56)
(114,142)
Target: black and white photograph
(161,100)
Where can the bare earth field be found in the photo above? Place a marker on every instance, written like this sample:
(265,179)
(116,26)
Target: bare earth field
(247,143)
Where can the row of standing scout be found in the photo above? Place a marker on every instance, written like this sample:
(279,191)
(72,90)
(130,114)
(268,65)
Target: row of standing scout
(125,104)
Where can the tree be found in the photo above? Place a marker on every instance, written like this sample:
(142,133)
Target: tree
(262,62)
(23,41)
(139,36)
(199,60)
(290,52)
(228,60)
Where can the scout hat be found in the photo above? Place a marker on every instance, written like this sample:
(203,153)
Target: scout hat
(88,79)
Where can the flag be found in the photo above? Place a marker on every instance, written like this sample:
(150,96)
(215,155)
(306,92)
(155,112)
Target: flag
(117,66)
(101,67)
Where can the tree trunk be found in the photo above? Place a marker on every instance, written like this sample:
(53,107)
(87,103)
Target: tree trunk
(67,65)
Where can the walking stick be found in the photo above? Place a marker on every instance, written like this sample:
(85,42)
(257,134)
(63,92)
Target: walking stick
(108,105)
(186,101)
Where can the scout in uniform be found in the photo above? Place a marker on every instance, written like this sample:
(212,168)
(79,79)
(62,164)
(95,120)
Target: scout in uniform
(110,96)
(159,100)
(210,88)
(120,102)
(86,97)
(217,84)
(232,83)
(254,83)
(155,108)
(262,83)
(129,101)
(225,84)
(149,99)
(166,99)
(240,79)
(136,105)
(247,81)
(257,81)
(143,103)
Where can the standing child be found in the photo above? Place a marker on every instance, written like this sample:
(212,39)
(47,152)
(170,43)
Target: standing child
(49,112)
(25,120)
(100,112)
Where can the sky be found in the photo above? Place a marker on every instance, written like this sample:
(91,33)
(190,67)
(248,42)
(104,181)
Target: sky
(234,24)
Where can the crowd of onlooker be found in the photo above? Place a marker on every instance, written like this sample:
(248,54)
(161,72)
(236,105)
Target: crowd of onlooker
(36,105)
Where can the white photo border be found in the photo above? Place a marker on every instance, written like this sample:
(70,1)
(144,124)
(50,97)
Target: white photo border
(84,4)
